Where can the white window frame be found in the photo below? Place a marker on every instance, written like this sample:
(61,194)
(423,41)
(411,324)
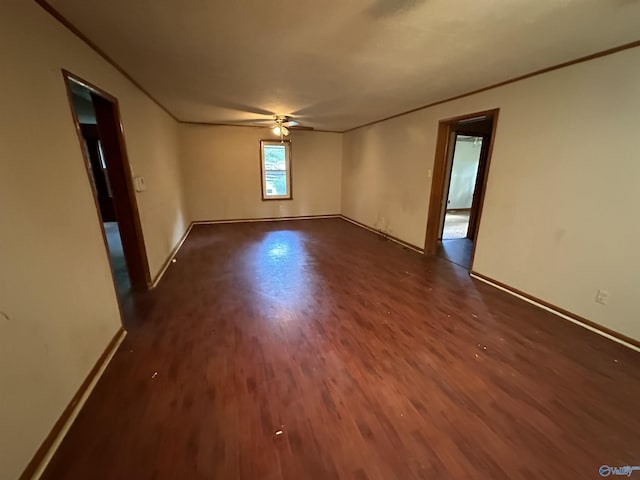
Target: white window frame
(287,170)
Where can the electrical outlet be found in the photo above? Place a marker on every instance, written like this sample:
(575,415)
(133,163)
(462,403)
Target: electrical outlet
(602,297)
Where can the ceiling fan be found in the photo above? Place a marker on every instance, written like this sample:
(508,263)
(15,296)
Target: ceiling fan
(283,124)
(280,125)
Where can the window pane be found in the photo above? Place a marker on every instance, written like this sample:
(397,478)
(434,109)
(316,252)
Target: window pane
(275,157)
(275,183)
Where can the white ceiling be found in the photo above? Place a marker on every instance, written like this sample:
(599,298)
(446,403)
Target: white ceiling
(337,64)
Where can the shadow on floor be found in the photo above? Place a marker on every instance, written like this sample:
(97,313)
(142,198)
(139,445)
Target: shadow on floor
(456,250)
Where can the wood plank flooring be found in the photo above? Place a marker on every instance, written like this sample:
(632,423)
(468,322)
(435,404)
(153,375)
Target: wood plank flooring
(457,250)
(317,350)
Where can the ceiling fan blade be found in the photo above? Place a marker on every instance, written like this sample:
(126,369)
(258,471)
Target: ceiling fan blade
(292,123)
(300,127)
(240,107)
(242,121)
(262,122)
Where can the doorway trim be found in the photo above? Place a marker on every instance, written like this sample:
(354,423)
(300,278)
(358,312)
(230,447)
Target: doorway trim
(438,186)
(139,273)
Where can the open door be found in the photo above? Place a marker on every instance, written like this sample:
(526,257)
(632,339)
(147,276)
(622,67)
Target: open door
(478,128)
(119,175)
(107,164)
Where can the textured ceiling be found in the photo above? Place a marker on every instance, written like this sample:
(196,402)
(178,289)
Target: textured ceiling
(338,64)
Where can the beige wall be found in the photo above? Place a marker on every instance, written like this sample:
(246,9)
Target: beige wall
(55,282)
(222,173)
(559,219)
(564,163)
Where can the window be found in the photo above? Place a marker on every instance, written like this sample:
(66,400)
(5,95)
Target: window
(276,170)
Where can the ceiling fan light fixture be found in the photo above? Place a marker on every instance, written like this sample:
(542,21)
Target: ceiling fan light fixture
(285,131)
(277,130)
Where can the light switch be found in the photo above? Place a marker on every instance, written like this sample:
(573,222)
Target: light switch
(139,184)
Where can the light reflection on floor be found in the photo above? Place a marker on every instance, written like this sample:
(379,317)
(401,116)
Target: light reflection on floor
(281,273)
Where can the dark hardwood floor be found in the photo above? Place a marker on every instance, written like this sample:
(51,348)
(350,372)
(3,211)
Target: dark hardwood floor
(317,350)
(456,250)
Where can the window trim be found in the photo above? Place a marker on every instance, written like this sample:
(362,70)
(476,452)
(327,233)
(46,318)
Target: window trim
(287,144)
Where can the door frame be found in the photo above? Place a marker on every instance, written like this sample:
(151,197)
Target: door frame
(130,226)
(478,188)
(440,164)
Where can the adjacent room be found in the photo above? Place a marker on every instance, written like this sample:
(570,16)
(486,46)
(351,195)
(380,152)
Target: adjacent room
(87,124)
(284,240)
(465,165)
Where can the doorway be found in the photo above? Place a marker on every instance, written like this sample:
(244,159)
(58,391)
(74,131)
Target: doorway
(461,168)
(97,119)
(461,186)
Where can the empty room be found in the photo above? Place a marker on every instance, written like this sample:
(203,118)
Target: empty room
(372,240)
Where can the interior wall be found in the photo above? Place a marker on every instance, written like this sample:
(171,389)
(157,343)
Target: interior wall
(221,166)
(58,303)
(553,225)
(463,174)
